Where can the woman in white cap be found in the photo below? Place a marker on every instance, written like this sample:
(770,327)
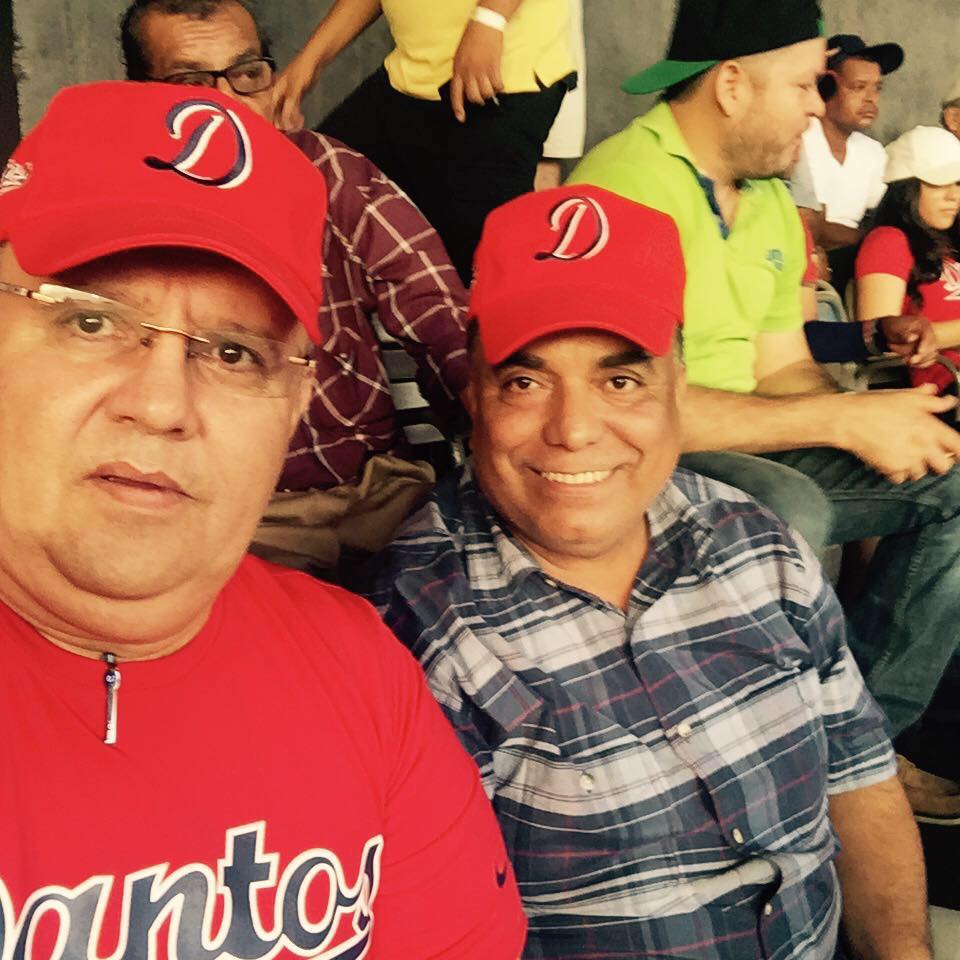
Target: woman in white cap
(910,262)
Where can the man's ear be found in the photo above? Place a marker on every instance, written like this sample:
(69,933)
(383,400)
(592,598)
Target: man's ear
(468,398)
(733,89)
(301,400)
(680,381)
(827,85)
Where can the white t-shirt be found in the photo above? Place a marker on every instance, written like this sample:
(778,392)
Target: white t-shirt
(845,191)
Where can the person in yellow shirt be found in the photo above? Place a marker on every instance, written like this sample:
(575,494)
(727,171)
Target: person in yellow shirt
(459,110)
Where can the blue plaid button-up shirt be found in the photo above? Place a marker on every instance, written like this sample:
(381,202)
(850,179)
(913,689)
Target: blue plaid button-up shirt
(661,774)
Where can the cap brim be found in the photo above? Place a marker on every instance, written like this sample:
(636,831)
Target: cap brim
(942,175)
(50,244)
(665,74)
(522,319)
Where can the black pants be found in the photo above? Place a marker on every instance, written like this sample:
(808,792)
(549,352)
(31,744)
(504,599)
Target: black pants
(456,173)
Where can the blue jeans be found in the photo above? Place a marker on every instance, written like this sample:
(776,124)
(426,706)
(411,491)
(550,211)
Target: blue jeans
(903,634)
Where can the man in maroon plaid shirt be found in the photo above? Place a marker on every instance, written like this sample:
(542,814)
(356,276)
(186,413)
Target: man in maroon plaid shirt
(348,481)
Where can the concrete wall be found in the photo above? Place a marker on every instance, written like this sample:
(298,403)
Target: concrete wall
(67,41)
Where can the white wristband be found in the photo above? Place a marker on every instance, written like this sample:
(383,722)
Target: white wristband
(489,18)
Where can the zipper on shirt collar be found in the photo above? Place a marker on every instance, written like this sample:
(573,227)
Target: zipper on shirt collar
(111,680)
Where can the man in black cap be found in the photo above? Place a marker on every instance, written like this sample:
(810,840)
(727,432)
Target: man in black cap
(840,166)
(740,88)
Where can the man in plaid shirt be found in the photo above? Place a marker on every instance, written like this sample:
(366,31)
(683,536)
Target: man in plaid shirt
(649,669)
(348,478)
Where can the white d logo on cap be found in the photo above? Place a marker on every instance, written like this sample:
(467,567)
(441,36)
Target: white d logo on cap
(199,142)
(575,217)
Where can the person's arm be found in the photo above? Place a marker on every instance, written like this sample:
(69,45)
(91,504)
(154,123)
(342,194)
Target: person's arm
(892,431)
(880,295)
(346,20)
(476,64)
(784,366)
(947,333)
(911,337)
(830,236)
(881,872)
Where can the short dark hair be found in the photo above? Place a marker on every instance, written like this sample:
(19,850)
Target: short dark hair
(131,38)
(683,89)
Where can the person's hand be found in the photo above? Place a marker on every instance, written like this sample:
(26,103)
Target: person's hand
(476,68)
(290,88)
(897,433)
(912,338)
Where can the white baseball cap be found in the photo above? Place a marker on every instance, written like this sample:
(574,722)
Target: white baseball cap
(931,154)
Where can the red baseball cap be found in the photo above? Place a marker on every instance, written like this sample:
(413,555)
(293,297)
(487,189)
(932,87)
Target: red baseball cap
(576,258)
(121,166)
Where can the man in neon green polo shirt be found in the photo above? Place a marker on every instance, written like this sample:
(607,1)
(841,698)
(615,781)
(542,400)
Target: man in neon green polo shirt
(740,88)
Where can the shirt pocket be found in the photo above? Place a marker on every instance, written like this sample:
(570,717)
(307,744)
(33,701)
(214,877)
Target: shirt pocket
(583,810)
(764,762)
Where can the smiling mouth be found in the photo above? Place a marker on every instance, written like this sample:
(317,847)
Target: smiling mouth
(576,479)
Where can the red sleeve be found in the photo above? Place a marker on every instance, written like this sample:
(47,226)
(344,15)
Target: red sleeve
(812,273)
(885,250)
(447,888)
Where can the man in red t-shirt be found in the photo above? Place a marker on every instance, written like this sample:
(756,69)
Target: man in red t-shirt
(203,755)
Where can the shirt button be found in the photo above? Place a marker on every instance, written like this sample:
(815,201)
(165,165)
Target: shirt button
(684,729)
(586,783)
(737,836)
(767,909)
(343,356)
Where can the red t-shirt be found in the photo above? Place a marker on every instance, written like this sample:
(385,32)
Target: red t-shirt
(886,250)
(284,785)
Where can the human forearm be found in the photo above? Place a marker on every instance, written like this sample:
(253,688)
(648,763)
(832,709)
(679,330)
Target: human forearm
(346,20)
(832,236)
(881,874)
(892,431)
(719,420)
(506,8)
(947,333)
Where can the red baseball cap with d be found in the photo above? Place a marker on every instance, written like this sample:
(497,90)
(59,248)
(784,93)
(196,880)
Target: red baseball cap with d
(122,166)
(577,258)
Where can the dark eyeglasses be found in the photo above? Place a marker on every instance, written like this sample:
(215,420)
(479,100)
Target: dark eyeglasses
(251,76)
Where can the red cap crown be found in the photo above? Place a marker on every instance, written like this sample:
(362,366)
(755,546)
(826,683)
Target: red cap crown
(577,257)
(120,166)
